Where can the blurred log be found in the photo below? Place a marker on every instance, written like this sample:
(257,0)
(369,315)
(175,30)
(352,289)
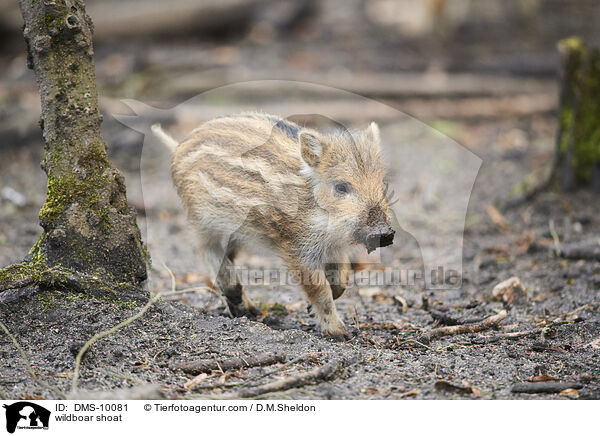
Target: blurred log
(372,84)
(144,18)
(578,137)
(18,127)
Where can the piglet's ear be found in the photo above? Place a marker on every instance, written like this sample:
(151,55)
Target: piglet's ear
(311,147)
(373,133)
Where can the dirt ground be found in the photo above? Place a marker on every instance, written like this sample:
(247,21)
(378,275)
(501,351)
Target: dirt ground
(510,126)
(382,360)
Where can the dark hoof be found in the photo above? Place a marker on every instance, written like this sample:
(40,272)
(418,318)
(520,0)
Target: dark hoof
(239,310)
(338,335)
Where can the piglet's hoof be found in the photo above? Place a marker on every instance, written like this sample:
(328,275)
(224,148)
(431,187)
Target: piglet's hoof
(339,333)
(248,310)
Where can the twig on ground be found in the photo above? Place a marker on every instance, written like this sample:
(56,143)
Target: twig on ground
(30,371)
(259,377)
(414,342)
(207,365)
(548,387)
(569,315)
(487,323)
(219,365)
(316,374)
(555,237)
(448,319)
(543,331)
(583,250)
(501,336)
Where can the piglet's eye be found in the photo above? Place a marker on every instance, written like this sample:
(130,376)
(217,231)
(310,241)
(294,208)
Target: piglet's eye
(342,188)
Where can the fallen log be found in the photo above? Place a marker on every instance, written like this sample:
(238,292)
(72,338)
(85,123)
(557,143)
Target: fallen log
(153,18)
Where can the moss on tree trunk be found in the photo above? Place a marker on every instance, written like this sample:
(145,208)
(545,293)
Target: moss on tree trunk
(578,137)
(88,227)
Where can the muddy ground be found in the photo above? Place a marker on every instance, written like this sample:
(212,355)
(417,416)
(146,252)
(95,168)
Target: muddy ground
(511,128)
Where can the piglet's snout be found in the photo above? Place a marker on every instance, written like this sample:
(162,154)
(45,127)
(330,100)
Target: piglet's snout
(379,236)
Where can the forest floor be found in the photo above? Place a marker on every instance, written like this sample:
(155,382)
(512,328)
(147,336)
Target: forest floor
(386,359)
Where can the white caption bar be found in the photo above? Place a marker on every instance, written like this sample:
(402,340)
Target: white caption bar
(299,417)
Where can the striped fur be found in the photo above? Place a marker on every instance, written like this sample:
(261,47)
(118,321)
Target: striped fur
(256,178)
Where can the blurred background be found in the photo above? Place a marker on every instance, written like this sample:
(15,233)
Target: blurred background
(400,51)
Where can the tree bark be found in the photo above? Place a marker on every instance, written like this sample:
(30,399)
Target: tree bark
(88,226)
(578,137)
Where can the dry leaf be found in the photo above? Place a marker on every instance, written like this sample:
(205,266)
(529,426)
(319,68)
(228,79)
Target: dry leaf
(496,217)
(299,305)
(372,292)
(541,378)
(570,393)
(524,242)
(191,278)
(190,384)
(402,302)
(371,390)
(442,385)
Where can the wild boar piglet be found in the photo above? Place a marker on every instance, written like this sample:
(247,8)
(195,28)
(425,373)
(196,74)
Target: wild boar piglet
(254,178)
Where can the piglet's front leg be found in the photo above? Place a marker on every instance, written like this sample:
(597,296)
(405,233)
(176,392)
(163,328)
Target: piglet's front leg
(316,286)
(338,275)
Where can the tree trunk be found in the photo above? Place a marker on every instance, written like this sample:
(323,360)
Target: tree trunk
(89,230)
(578,137)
